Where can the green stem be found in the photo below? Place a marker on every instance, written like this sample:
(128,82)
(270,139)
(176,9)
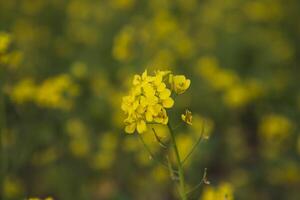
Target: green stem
(179,164)
(152,156)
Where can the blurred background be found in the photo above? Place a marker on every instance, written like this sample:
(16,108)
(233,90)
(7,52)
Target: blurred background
(65,64)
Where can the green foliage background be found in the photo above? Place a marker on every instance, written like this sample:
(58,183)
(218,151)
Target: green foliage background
(70,61)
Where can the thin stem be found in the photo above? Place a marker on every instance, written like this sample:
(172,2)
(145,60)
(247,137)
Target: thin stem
(158,139)
(203,180)
(179,164)
(173,174)
(195,146)
(178,125)
(151,154)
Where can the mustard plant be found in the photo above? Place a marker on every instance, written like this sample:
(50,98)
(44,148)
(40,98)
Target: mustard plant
(148,102)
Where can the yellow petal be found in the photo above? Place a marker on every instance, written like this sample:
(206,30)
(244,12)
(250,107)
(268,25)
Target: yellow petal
(187,84)
(144,75)
(179,79)
(149,116)
(161,87)
(148,90)
(152,100)
(141,126)
(165,120)
(157,108)
(168,103)
(183,117)
(165,94)
(136,80)
(130,128)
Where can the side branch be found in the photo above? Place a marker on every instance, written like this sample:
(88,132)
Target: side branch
(195,145)
(159,140)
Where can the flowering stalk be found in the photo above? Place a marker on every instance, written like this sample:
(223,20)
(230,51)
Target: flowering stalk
(148,102)
(179,164)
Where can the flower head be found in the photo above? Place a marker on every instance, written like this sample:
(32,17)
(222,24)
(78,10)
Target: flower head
(147,102)
(187,117)
(149,99)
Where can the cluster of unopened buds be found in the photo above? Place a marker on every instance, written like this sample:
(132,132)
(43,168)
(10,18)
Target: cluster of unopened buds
(149,99)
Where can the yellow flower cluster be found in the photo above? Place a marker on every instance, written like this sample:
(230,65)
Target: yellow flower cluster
(10,59)
(54,92)
(236,93)
(149,98)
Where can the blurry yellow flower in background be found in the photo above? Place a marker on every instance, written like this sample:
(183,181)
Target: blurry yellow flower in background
(275,130)
(5,40)
(163,57)
(23,91)
(123,4)
(236,93)
(275,127)
(223,192)
(256,10)
(236,96)
(45,157)
(287,172)
(56,92)
(160,174)
(79,69)
(105,155)
(11,59)
(12,187)
(202,125)
(242,94)
(220,79)
(36,198)
(185,142)
(123,45)
(79,143)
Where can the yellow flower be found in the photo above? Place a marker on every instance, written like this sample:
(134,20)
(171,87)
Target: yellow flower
(23,91)
(275,127)
(5,40)
(147,101)
(223,191)
(179,83)
(162,117)
(187,117)
(130,128)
